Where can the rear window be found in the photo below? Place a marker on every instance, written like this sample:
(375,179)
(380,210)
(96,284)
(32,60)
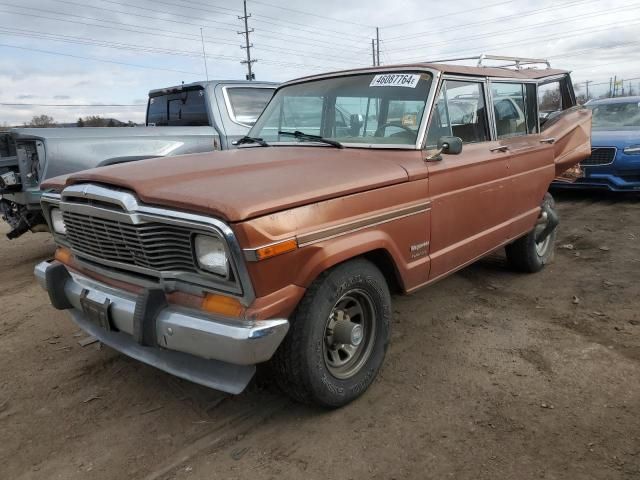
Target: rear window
(247,103)
(186,108)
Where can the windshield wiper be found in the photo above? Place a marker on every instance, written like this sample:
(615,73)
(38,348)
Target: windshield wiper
(247,139)
(314,138)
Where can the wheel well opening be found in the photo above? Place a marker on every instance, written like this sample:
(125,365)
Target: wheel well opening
(381,259)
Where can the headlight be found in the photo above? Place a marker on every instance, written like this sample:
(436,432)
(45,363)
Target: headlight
(57,221)
(632,150)
(211,254)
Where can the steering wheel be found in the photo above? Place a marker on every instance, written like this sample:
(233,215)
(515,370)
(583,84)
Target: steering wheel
(381,128)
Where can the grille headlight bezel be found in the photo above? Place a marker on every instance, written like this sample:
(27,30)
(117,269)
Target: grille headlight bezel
(57,221)
(632,150)
(210,253)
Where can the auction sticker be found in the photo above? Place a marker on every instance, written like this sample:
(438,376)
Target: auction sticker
(409,80)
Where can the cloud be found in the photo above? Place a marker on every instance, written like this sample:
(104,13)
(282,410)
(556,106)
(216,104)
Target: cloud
(287,43)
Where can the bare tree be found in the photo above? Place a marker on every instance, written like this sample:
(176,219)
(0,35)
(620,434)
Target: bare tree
(42,121)
(581,98)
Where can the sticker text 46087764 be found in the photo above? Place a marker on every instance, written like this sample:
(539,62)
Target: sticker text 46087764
(409,80)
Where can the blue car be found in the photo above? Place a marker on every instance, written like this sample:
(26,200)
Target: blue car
(614,163)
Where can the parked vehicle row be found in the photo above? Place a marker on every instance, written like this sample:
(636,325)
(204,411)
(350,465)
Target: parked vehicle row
(350,186)
(198,117)
(614,163)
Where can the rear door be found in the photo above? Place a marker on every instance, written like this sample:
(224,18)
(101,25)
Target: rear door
(530,166)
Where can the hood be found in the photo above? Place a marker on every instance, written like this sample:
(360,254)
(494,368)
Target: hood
(615,138)
(240,184)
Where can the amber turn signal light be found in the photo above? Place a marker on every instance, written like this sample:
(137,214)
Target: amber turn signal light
(227,306)
(276,249)
(63,255)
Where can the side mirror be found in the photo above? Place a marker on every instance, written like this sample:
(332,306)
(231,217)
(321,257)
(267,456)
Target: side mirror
(448,145)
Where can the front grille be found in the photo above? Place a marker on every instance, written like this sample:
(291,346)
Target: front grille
(600,156)
(156,246)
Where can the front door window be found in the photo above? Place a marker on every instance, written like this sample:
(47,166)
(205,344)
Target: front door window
(460,111)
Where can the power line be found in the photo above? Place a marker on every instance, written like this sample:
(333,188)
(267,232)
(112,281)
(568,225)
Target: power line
(569,34)
(96,59)
(67,105)
(198,25)
(483,7)
(165,33)
(528,27)
(492,20)
(126,46)
(312,14)
(258,18)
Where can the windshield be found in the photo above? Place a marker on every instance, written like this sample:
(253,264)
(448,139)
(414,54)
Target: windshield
(608,116)
(367,109)
(246,103)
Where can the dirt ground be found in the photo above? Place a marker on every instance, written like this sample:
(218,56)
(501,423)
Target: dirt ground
(490,375)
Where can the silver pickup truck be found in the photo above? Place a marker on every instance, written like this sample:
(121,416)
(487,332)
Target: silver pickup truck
(193,118)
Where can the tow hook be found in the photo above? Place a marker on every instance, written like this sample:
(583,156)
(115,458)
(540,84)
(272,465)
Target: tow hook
(550,219)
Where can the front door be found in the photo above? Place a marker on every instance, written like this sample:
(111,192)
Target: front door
(471,205)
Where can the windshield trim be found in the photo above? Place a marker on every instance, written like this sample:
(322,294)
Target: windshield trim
(310,143)
(422,130)
(229,107)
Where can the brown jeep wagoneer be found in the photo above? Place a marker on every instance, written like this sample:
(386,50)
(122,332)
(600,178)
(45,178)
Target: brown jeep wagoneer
(350,185)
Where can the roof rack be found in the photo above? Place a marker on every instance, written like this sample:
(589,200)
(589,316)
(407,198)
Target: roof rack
(517,62)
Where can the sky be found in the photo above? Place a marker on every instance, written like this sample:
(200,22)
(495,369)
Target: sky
(112,52)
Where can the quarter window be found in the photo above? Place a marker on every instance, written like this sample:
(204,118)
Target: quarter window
(460,111)
(549,98)
(246,103)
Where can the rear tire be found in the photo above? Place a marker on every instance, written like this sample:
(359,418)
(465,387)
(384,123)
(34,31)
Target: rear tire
(525,255)
(338,336)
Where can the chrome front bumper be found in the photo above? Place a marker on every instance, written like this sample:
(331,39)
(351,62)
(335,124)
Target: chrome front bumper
(213,351)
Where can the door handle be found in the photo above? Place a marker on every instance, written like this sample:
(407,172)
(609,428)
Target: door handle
(502,148)
(548,140)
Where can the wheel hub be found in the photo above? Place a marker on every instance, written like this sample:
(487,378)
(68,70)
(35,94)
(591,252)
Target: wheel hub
(349,334)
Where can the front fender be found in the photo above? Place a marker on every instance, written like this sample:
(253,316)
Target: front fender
(327,254)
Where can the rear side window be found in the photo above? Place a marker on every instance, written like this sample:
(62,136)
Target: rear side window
(247,103)
(509,109)
(186,108)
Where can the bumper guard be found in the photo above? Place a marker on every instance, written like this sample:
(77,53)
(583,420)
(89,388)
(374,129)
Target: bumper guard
(213,351)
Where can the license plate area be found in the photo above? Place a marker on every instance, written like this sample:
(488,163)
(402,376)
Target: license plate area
(96,312)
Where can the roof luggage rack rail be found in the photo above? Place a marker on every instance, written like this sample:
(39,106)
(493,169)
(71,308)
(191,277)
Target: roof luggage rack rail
(514,62)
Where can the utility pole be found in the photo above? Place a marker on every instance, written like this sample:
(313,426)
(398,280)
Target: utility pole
(377,46)
(373,51)
(615,85)
(250,75)
(610,87)
(587,84)
(204,55)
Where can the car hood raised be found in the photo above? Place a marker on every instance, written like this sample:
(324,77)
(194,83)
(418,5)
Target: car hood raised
(240,184)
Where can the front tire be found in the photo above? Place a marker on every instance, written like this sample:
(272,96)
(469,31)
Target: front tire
(527,255)
(338,336)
